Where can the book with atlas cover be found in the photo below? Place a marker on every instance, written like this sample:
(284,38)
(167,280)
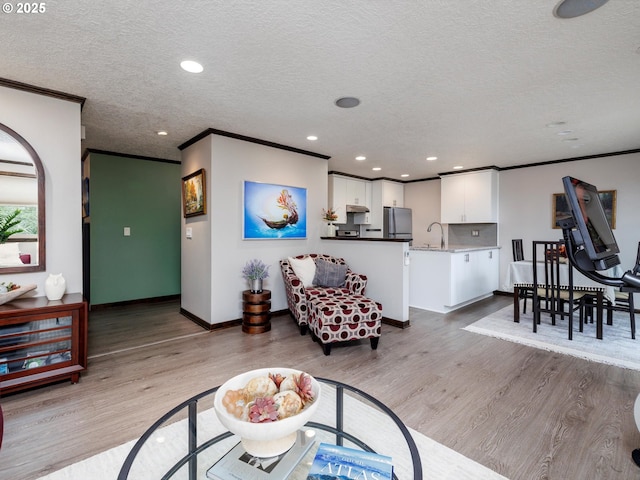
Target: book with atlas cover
(333,462)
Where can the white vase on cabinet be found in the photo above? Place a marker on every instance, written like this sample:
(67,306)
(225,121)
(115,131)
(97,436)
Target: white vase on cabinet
(54,286)
(331,230)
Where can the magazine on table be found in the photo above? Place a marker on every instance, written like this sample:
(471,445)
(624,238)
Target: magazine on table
(336,462)
(237,464)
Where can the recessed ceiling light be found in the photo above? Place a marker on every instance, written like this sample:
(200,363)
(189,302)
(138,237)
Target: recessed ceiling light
(313,138)
(555,124)
(431,159)
(570,139)
(564,132)
(575,8)
(191,66)
(376,169)
(347,102)
(404,175)
(162,133)
(458,167)
(361,157)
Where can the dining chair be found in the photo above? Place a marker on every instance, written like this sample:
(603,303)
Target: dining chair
(558,297)
(524,291)
(624,302)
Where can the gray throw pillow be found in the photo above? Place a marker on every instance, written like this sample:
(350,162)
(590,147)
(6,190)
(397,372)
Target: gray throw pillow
(329,274)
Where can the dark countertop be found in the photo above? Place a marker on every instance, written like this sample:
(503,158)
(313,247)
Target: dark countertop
(356,239)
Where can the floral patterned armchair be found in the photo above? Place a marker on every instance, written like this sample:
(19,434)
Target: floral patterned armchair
(298,295)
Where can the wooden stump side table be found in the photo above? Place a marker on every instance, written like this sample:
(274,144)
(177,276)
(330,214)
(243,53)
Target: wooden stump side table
(256,314)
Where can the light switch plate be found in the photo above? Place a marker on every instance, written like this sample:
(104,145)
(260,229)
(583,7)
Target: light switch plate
(127,231)
(189,232)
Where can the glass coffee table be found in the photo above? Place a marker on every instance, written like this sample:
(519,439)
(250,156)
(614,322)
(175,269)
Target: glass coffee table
(185,442)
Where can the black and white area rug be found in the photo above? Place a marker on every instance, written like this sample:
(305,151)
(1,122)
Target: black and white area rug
(616,348)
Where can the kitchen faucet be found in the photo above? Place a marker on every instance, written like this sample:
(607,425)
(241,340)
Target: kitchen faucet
(441,232)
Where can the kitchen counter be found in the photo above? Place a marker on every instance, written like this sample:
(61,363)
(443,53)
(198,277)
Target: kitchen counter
(385,262)
(355,239)
(443,280)
(451,248)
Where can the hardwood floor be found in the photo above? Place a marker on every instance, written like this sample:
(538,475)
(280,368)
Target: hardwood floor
(523,412)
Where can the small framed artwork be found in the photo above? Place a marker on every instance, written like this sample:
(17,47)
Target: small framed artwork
(561,207)
(274,211)
(194,194)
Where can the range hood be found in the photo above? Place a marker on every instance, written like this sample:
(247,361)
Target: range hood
(357,209)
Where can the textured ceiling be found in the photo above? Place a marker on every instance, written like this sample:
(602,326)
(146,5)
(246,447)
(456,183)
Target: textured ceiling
(473,82)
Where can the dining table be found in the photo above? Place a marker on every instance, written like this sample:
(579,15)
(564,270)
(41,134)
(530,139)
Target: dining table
(520,275)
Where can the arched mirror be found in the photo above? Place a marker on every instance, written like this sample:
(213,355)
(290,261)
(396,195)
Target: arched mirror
(22,246)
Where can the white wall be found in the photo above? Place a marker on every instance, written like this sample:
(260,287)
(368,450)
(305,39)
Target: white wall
(424,200)
(384,265)
(195,259)
(228,163)
(52,127)
(525,203)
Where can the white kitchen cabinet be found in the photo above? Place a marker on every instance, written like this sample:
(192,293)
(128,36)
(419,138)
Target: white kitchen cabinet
(373,229)
(489,270)
(383,194)
(356,192)
(473,274)
(392,194)
(338,197)
(444,281)
(362,218)
(469,197)
(345,191)
(462,286)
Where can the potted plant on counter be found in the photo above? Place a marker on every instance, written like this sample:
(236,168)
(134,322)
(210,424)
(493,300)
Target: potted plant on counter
(255,271)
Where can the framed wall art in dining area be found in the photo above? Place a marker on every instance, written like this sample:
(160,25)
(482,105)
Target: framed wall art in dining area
(194,194)
(560,207)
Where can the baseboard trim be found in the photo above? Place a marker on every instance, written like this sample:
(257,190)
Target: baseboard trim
(219,326)
(139,301)
(396,323)
(209,326)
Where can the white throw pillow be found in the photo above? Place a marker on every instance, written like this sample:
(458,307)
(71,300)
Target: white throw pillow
(304,268)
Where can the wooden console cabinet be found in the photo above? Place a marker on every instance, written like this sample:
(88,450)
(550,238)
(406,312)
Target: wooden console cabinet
(42,341)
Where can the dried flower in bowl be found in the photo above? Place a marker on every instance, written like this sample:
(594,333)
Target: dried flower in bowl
(263,409)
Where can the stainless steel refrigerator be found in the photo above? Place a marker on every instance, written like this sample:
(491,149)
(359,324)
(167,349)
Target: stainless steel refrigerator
(397,222)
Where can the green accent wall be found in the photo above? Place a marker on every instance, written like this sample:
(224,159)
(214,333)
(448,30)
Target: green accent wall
(145,196)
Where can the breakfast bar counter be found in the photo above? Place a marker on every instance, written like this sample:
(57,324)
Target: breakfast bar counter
(363,239)
(385,262)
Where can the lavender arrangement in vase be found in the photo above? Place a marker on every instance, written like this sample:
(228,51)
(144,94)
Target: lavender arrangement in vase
(255,271)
